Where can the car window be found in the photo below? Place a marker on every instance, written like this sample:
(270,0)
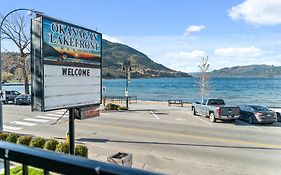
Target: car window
(204,102)
(16,92)
(8,92)
(260,108)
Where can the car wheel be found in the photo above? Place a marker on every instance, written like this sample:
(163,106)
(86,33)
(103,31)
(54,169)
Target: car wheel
(194,111)
(6,101)
(251,120)
(212,117)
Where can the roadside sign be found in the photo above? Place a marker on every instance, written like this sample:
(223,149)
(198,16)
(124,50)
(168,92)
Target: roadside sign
(66,65)
(2,95)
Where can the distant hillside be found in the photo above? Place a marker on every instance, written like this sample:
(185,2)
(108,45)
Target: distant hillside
(114,55)
(248,71)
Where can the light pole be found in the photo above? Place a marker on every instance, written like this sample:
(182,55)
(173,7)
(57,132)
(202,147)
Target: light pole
(127,68)
(30,11)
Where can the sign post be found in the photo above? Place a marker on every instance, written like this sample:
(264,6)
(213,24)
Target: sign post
(66,68)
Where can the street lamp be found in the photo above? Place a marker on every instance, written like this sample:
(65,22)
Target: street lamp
(127,68)
(30,12)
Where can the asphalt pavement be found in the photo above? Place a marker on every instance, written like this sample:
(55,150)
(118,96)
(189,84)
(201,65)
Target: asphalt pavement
(162,138)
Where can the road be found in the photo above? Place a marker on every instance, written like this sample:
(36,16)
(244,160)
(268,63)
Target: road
(164,139)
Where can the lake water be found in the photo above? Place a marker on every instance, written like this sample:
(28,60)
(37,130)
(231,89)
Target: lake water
(266,91)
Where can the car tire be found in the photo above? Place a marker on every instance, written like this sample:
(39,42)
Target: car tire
(212,117)
(194,111)
(251,120)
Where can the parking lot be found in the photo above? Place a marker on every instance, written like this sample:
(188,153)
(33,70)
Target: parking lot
(164,138)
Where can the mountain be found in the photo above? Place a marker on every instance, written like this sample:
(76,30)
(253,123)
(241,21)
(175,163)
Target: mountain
(248,71)
(114,54)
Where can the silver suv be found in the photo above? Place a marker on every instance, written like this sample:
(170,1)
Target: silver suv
(10,96)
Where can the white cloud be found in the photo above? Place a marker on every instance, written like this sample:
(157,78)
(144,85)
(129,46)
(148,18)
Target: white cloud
(194,28)
(111,39)
(238,52)
(257,12)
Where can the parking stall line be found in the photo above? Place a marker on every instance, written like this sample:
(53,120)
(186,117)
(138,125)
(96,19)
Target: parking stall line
(203,120)
(46,117)
(57,115)
(244,123)
(151,112)
(9,128)
(23,123)
(36,120)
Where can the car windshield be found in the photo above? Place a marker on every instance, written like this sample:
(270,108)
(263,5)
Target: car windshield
(260,108)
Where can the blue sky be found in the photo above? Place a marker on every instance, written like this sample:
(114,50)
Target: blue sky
(177,33)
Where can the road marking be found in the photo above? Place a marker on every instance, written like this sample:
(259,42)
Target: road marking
(23,123)
(46,117)
(36,120)
(5,127)
(202,120)
(57,115)
(60,112)
(205,138)
(244,123)
(151,112)
(180,119)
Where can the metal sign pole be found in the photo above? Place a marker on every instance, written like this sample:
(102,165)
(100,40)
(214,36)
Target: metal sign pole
(71,131)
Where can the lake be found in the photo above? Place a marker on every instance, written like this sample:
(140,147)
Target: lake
(266,91)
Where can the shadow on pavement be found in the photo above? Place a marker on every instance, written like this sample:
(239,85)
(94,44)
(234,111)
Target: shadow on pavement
(175,144)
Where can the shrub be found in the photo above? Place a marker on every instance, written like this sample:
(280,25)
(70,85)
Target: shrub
(122,108)
(51,145)
(63,147)
(81,150)
(24,140)
(3,136)
(12,137)
(111,106)
(38,142)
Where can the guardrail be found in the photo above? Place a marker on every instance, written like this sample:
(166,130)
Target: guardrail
(59,163)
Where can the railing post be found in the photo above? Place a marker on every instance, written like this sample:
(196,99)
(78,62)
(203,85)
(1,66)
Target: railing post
(46,172)
(24,169)
(6,167)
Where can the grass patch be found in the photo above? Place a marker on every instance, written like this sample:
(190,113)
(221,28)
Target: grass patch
(31,171)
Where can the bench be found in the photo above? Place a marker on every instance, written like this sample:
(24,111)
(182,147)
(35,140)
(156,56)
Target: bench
(177,102)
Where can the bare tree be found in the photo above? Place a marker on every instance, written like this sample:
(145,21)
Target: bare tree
(203,79)
(15,29)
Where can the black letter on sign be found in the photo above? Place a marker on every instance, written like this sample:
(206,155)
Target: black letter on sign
(64,71)
(88,72)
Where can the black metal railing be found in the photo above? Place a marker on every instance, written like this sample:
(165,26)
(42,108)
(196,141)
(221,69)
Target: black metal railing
(59,163)
(121,98)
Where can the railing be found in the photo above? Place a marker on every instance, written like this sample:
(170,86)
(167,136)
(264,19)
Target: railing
(59,163)
(121,98)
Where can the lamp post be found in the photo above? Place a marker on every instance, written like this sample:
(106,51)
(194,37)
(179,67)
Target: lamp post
(127,68)
(30,12)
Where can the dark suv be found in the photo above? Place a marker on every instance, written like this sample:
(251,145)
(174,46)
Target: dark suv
(10,96)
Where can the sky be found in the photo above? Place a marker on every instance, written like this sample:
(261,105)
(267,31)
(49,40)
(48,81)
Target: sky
(177,33)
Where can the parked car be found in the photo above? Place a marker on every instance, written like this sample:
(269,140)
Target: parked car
(23,99)
(215,109)
(257,114)
(10,96)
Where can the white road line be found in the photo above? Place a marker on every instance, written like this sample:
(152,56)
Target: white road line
(244,123)
(57,115)
(60,112)
(23,123)
(5,127)
(154,115)
(36,120)
(180,119)
(202,120)
(46,117)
